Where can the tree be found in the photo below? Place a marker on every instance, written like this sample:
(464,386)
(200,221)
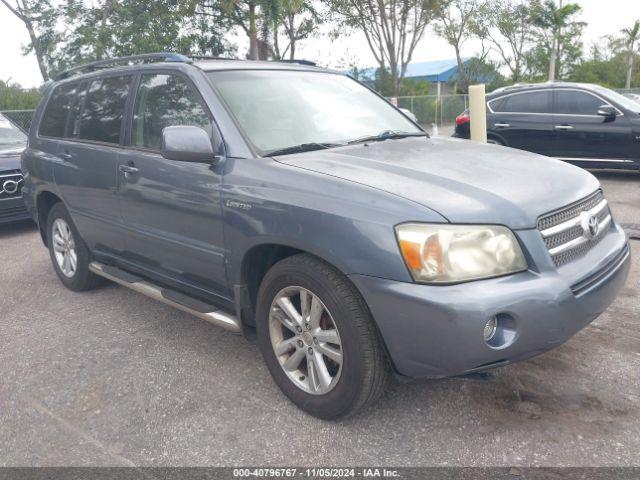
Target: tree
(244,14)
(631,36)
(68,33)
(553,22)
(508,25)
(392,29)
(455,23)
(38,17)
(293,20)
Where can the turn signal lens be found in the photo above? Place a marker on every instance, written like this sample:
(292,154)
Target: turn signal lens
(456,253)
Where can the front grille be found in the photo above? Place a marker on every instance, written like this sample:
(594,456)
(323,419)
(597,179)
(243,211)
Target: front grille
(566,232)
(12,212)
(11,184)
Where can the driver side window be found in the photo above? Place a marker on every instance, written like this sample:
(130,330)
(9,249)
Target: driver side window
(165,100)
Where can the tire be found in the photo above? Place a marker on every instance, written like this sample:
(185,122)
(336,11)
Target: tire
(363,372)
(495,141)
(80,278)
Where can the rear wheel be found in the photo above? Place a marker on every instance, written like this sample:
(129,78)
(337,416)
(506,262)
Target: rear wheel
(495,141)
(69,255)
(318,338)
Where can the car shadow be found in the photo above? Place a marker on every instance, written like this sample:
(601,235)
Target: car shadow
(616,174)
(17,228)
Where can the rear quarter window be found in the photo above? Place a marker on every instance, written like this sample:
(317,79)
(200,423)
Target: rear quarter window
(55,116)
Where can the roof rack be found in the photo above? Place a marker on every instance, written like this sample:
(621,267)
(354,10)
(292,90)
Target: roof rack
(113,62)
(210,57)
(301,62)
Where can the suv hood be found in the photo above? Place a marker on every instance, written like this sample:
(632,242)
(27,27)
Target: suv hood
(10,157)
(466,182)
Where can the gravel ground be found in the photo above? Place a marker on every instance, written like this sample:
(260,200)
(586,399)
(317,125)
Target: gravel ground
(110,377)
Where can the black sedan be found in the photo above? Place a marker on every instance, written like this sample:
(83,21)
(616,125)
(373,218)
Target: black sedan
(587,125)
(12,143)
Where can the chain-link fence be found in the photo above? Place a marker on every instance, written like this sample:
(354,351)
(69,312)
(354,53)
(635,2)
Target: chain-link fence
(628,90)
(22,118)
(431,109)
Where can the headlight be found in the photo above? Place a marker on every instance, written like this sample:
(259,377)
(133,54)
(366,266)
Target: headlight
(456,253)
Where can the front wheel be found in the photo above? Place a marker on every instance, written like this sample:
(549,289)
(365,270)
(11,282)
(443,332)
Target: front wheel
(318,338)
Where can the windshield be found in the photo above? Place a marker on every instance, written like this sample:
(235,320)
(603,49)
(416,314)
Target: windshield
(279,109)
(623,101)
(10,135)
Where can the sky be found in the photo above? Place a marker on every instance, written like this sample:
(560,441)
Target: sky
(603,17)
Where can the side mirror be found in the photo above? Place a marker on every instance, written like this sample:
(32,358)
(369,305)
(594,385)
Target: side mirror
(409,114)
(187,144)
(607,111)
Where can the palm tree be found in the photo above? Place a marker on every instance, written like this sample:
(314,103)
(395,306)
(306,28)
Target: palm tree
(631,36)
(552,19)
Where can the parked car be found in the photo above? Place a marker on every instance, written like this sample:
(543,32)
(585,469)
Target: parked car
(12,143)
(293,205)
(586,125)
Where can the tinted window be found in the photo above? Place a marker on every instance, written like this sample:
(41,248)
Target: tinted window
(103,109)
(165,101)
(73,123)
(572,102)
(55,115)
(531,102)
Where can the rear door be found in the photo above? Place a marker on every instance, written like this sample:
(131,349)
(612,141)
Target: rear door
(86,174)
(584,137)
(172,209)
(523,120)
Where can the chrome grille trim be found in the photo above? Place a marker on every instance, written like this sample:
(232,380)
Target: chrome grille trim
(565,233)
(576,242)
(574,222)
(11,184)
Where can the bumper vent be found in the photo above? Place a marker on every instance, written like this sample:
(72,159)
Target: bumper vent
(10,184)
(572,231)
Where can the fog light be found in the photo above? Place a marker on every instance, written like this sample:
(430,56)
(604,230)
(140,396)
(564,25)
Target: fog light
(490,329)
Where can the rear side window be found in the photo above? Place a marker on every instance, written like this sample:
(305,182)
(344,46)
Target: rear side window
(103,111)
(529,102)
(55,116)
(164,101)
(573,102)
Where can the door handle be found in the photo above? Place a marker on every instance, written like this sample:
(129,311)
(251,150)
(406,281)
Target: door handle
(128,169)
(502,125)
(66,156)
(563,127)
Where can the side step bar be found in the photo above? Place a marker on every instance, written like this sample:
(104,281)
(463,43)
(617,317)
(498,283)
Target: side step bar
(173,298)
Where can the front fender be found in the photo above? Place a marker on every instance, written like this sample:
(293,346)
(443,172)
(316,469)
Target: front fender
(349,225)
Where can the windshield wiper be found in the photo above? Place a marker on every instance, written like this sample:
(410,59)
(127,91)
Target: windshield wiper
(303,147)
(387,135)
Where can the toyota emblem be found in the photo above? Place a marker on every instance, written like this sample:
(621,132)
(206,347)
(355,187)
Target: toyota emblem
(593,226)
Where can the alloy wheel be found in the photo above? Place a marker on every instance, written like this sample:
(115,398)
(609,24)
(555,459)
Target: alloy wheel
(305,340)
(64,247)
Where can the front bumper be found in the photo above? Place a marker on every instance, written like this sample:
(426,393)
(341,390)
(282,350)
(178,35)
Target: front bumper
(436,331)
(13,210)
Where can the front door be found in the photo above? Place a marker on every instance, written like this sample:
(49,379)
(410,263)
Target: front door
(172,209)
(586,138)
